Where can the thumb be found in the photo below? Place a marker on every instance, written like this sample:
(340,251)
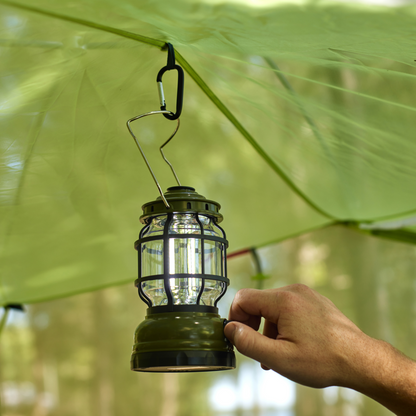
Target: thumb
(253,344)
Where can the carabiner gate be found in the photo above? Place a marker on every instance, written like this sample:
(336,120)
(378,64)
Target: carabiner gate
(179,95)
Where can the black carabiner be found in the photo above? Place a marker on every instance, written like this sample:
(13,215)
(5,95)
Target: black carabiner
(179,95)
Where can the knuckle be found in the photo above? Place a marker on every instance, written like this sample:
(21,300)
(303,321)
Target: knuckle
(294,295)
(241,295)
(301,288)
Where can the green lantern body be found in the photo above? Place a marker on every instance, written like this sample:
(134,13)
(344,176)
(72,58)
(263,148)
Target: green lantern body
(182,276)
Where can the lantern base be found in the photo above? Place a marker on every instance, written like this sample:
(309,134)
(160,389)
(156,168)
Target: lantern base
(183,361)
(181,342)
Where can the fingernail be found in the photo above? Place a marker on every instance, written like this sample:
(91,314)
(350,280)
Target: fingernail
(229,330)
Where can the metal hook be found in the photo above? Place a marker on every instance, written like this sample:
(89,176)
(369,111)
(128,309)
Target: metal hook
(164,112)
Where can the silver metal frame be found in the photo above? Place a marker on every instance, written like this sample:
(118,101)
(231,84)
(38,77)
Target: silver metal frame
(151,113)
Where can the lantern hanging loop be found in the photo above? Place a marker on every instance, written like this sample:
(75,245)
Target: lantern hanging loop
(164,112)
(179,94)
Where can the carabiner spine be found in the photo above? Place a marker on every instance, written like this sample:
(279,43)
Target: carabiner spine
(161,95)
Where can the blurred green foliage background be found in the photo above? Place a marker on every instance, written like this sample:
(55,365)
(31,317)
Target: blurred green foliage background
(70,356)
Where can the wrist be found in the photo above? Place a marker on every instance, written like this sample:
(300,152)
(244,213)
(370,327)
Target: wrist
(384,374)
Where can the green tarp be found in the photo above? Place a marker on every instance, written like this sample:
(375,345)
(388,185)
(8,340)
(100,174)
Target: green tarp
(296,115)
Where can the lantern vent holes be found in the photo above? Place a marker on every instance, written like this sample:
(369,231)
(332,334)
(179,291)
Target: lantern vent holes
(152,209)
(206,207)
(188,205)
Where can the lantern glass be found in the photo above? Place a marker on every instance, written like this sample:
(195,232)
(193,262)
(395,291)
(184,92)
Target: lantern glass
(185,291)
(210,228)
(152,262)
(156,226)
(184,224)
(213,262)
(185,257)
(155,291)
(213,255)
(152,258)
(212,291)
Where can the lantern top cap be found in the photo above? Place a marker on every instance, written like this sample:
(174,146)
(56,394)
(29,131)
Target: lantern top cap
(182,199)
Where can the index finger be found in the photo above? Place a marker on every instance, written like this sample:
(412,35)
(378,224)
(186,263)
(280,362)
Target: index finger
(250,305)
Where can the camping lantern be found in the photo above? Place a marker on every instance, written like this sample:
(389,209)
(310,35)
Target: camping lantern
(182,276)
(182,270)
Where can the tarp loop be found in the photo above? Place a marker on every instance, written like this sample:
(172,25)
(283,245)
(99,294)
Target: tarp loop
(171,57)
(179,95)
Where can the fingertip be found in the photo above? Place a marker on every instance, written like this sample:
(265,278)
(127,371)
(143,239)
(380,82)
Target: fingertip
(229,330)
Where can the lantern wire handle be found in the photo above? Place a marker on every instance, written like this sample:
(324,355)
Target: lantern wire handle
(161,151)
(164,157)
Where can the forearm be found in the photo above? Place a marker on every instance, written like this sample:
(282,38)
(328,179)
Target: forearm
(386,375)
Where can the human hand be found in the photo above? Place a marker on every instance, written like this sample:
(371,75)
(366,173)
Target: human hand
(308,340)
(305,338)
